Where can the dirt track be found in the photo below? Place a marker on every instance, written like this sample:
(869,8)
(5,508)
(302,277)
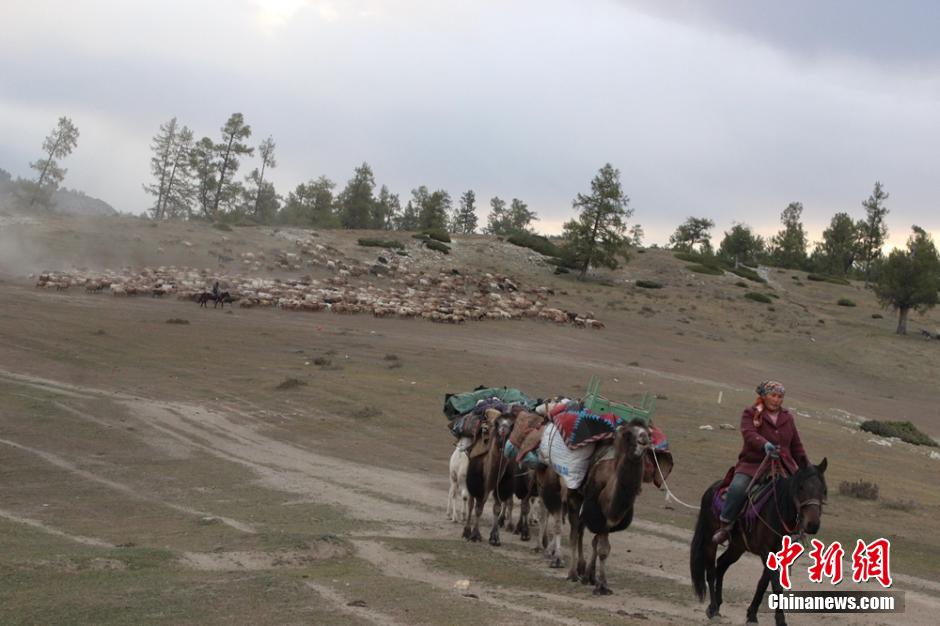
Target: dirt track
(657,552)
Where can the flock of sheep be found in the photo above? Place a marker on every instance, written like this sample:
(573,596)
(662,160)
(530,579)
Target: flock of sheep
(393,286)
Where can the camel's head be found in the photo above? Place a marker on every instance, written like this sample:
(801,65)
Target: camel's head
(499,423)
(654,458)
(658,463)
(633,439)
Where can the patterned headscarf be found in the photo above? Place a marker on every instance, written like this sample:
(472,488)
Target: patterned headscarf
(763,389)
(770,386)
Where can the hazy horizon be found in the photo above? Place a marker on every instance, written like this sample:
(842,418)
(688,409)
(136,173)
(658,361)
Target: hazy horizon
(727,110)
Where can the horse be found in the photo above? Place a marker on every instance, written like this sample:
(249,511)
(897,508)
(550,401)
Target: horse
(217,299)
(204,298)
(794,506)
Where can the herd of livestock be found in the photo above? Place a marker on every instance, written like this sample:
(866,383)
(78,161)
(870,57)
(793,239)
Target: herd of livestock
(390,286)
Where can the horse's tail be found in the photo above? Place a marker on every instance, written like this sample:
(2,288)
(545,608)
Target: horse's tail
(699,544)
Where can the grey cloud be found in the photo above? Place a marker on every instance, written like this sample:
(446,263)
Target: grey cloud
(902,32)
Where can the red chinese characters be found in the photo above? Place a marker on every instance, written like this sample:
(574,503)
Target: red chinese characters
(872,561)
(789,552)
(826,562)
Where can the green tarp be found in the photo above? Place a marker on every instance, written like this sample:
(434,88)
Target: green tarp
(459,403)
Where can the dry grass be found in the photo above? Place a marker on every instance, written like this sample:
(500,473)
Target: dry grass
(861,489)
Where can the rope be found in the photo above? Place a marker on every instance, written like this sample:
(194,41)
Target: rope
(669,493)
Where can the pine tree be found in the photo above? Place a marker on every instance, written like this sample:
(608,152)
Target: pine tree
(171,169)
(204,167)
(636,235)
(837,252)
(434,211)
(311,205)
(873,230)
(385,210)
(57,145)
(266,152)
(909,278)
(598,236)
(465,217)
(497,220)
(226,154)
(695,230)
(789,245)
(740,245)
(520,217)
(357,201)
(408,221)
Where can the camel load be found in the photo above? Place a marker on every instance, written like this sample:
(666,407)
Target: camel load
(584,459)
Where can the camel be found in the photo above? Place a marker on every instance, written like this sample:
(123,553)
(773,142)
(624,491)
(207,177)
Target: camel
(551,509)
(524,488)
(489,473)
(603,503)
(458,496)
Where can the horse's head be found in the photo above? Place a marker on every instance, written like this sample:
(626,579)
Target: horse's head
(809,495)
(632,439)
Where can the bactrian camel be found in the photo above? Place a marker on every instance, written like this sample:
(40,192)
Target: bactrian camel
(490,473)
(603,503)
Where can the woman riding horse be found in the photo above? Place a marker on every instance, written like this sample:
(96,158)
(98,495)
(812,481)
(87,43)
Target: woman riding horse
(769,431)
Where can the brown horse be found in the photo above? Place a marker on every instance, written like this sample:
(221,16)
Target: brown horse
(795,506)
(490,473)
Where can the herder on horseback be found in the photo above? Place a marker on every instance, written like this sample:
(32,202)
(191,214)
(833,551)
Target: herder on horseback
(769,431)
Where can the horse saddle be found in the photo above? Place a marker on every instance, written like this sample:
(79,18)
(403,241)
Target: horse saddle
(755,493)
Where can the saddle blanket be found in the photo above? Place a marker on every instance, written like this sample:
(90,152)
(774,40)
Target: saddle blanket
(580,427)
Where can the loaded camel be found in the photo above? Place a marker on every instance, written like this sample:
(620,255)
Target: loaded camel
(603,503)
(489,473)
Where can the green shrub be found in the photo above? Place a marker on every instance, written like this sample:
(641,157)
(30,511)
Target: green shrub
(563,261)
(748,273)
(835,280)
(758,297)
(649,284)
(741,283)
(688,257)
(433,233)
(436,245)
(290,383)
(905,431)
(560,269)
(705,269)
(877,316)
(900,505)
(437,234)
(845,302)
(861,489)
(380,243)
(540,244)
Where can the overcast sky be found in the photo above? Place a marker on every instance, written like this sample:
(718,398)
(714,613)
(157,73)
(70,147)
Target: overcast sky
(723,109)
